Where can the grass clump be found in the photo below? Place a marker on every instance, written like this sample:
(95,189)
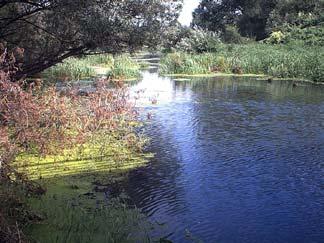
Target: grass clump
(118,67)
(71,69)
(104,60)
(124,68)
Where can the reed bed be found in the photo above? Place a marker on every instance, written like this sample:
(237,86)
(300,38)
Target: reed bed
(274,60)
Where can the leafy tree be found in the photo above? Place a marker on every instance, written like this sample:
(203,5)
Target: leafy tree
(214,15)
(52,30)
(253,20)
(296,12)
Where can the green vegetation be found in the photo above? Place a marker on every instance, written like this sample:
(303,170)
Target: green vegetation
(283,39)
(99,221)
(79,204)
(274,60)
(124,68)
(59,155)
(118,67)
(70,69)
(51,31)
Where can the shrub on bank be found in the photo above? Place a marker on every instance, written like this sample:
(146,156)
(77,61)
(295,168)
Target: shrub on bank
(44,122)
(199,41)
(296,35)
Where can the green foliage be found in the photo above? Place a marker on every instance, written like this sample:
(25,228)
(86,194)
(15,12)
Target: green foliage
(276,37)
(124,68)
(249,16)
(257,19)
(295,13)
(308,36)
(104,60)
(71,69)
(174,35)
(231,35)
(177,63)
(278,61)
(199,41)
(84,220)
(119,67)
(51,31)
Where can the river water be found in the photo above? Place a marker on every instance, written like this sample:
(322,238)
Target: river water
(236,160)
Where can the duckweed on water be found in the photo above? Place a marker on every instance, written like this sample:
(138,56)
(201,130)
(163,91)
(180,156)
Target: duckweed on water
(112,155)
(80,205)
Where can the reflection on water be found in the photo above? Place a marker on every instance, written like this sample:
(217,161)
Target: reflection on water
(237,160)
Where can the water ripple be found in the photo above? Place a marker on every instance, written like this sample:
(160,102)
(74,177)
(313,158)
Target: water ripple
(236,161)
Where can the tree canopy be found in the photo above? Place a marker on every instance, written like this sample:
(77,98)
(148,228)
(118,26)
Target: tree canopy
(52,30)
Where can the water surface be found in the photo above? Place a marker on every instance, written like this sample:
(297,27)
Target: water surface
(237,160)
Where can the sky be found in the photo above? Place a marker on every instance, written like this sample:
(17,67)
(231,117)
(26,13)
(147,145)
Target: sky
(188,7)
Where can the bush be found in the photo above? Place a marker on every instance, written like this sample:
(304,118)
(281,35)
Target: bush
(40,121)
(232,35)
(276,37)
(309,36)
(199,41)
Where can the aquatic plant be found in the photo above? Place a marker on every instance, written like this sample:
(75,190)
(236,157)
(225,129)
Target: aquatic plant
(79,218)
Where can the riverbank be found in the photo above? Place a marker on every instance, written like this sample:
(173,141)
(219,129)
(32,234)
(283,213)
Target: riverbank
(60,152)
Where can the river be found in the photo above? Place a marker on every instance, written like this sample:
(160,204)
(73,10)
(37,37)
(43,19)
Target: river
(236,160)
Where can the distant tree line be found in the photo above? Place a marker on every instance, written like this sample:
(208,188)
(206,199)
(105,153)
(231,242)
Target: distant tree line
(257,18)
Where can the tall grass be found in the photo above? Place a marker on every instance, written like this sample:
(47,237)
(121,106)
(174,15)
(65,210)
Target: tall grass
(105,60)
(274,60)
(71,69)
